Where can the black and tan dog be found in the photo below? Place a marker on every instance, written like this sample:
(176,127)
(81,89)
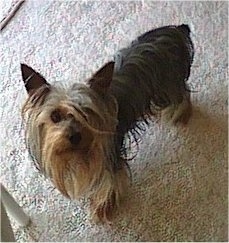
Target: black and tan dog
(77,135)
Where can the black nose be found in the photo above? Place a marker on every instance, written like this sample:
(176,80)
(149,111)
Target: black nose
(75,138)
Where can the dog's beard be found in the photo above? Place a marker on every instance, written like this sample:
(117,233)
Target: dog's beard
(69,172)
(79,174)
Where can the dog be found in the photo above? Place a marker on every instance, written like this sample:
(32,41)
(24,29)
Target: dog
(79,136)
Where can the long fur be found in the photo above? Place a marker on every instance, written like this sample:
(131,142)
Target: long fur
(150,75)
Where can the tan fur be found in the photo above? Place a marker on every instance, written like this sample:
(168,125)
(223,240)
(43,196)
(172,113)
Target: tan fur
(180,113)
(109,194)
(75,172)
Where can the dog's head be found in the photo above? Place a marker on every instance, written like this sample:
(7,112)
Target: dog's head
(68,130)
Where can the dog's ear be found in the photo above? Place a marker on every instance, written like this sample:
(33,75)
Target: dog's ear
(101,80)
(32,79)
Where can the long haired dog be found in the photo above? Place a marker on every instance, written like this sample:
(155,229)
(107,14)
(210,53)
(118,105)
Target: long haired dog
(78,136)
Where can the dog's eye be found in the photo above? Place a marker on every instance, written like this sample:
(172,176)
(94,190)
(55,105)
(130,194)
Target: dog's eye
(56,116)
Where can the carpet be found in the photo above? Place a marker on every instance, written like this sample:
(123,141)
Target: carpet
(179,190)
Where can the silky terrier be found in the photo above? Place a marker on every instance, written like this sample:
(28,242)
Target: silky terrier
(79,136)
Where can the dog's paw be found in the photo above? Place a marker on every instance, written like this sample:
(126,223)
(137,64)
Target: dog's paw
(103,213)
(106,200)
(178,114)
(183,113)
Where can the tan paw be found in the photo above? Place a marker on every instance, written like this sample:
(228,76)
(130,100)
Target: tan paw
(183,113)
(178,114)
(104,212)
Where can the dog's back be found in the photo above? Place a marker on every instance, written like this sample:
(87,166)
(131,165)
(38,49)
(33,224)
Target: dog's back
(151,74)
(178,34)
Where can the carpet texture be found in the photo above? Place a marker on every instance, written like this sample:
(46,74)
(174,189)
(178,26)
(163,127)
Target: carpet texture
(179,189)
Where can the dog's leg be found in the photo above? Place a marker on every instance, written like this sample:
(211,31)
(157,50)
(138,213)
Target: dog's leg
(106,200)
(181,112)
(184,111)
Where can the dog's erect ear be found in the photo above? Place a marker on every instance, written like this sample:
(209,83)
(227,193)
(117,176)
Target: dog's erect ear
(101,80)
(32,79)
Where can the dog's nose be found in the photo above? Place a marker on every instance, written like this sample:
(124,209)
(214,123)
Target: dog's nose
(75,138)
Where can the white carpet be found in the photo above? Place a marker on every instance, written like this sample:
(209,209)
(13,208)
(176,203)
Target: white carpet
(179,190)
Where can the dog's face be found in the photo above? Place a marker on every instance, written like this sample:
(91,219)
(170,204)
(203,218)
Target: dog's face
(69,129)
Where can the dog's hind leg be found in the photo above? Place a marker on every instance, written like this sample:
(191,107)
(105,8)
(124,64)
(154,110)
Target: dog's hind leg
(179,112)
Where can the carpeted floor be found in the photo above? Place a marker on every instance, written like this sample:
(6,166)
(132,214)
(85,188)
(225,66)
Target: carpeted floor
(179,190)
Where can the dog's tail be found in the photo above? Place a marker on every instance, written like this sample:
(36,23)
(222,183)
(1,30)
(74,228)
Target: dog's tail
(184,28)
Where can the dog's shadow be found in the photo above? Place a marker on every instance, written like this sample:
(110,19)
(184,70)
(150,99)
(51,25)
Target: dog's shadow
(186,200)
